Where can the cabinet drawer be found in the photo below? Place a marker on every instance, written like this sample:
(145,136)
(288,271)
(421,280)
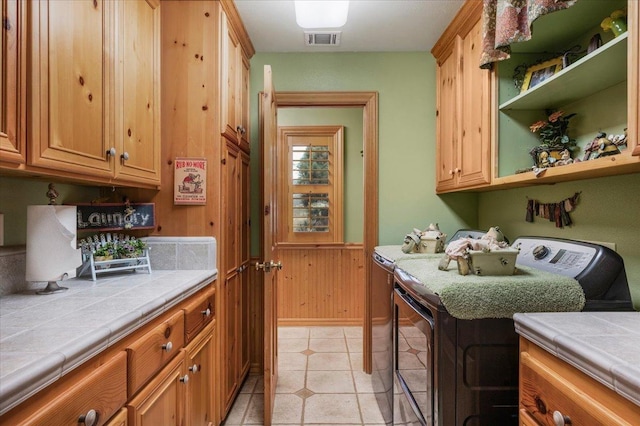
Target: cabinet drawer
(100,394)
(152,351)
(547,388)
(198,314)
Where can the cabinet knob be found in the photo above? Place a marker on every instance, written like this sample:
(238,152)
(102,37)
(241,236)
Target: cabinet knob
(560,419)
(194,368)
(185,379)
(241,130)
(167,347)
(450,172)
(111,152)
(457,170)
(206,312)
(124,156)
(89,419)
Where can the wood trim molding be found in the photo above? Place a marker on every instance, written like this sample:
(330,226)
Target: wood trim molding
(369,103)
(461,24)
(233,16)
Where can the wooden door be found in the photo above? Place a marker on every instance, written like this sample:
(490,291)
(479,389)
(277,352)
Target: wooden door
(138,90)
(71,55)
(269,123)
(12,81)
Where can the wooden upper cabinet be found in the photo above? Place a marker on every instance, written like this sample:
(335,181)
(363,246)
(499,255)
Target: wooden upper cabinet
(465,105)
(234,85)
(12,84)
(69,126)
(446,119)
(139,88)
(229,79)
(476,106)
(96,98)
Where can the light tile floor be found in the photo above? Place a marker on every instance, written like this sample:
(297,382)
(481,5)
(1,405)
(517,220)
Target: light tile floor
(320,382)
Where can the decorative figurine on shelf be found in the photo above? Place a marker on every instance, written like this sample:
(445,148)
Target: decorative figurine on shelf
(554,138)
(565,158)
(52,194)
(606,147)
(616,22)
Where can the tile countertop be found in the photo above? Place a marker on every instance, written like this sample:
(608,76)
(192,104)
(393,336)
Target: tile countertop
(42,337)
(603,345)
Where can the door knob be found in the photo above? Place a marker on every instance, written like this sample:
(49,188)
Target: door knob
(266,266)
(278,265)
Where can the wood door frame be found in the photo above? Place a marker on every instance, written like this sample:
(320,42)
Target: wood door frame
(368,101)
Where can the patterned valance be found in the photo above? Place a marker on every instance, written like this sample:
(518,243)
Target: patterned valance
(509,21)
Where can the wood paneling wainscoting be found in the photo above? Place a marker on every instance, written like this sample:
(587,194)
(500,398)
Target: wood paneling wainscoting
(321,285)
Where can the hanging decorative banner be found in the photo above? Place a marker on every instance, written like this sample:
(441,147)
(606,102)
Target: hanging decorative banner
(190,181)
(554,212)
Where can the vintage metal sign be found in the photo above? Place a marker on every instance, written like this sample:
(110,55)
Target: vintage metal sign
(190,181)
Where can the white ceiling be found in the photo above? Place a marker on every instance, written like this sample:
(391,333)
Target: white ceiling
(372,25)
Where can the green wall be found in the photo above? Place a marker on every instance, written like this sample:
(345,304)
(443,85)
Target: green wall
(406,86)
(18,193)
(351,119)
(608,211)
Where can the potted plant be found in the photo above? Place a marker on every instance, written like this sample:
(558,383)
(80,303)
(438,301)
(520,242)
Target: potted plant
(130,248)
(106,251)
(554,138)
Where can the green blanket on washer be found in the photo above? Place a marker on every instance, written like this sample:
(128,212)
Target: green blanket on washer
(475,296)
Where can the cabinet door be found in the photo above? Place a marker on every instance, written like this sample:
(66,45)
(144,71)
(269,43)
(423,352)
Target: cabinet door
(474,149)
(446,143)
(138,88)
(70,54)
(231,181)
(119,419)
(162,401)
(231,342)
(245,259)
(230,62)
(244,112)
(12,83)
(200,357)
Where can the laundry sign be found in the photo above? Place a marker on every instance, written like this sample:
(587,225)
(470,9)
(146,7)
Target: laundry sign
(115,216)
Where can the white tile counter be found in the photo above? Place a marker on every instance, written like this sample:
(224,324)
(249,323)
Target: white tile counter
(603,345)
(42,337)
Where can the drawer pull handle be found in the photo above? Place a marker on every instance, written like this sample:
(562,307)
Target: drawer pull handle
(206,312)
(560,419)
(89,419)
(185,379)
(111,152)
(194,368)
(167,347)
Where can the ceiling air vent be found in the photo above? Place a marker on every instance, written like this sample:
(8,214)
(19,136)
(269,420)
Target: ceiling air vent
(322,38)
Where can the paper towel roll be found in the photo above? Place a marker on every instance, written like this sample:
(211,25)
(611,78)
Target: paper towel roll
(51,242)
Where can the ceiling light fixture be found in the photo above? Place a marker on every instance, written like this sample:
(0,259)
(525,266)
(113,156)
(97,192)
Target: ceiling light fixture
(321,13)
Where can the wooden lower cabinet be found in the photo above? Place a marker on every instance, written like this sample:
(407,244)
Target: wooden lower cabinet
(99,395)
(137,382)
(119,419)
(162,400)
(553,392)
(201,362)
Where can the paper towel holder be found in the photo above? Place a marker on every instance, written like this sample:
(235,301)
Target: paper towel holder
(53,286)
